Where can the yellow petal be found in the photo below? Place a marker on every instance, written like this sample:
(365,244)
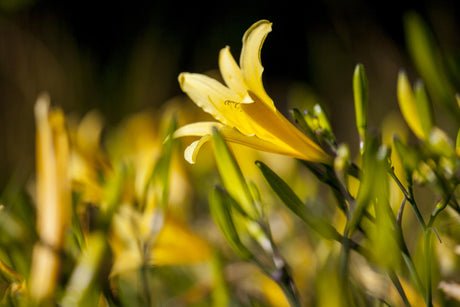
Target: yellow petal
(218,100)
(273,292)
(408,107)
(178,245)
(251,66)
(88,133)
(196,129)
(233,135)
(128,260)
(209,94)
(192,150)
(230,134)
(283,133)
(231,72)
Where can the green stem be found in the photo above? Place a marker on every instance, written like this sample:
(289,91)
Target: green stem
(344,259)
(145,285)
(398,182)
(405,251)
(411,200)
(409,194)
(427,243)
(400,213)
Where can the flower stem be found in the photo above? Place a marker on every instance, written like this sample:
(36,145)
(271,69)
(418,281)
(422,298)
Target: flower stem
(427,243)
(405,251)
(411,200)
(145,284)
(409,195)
(344,261)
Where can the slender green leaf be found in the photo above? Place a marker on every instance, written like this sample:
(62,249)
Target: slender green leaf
(427,58)
(292,201)
(220,203)
(160,175)
(361,97)
(232,177)
(366,187)
(221,292)
(424,109)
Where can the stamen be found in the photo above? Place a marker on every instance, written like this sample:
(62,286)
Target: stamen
(234,104)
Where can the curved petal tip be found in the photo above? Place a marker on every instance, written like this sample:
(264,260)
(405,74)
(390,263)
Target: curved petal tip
(192,150)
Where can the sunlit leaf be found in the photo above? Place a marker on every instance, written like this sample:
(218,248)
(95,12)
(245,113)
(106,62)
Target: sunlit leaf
(220,204)
(232,177)
(291,200)
(361,97)
(424,110)
(159,178)
(409,107)
(427,58)
(367,185)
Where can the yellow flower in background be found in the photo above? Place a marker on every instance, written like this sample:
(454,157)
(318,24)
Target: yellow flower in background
(140,238)
(87,159)
(246,114)
(142,233)
(53,197)
(138,142)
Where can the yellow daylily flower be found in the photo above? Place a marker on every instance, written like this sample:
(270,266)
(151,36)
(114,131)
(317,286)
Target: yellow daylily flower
(246,114)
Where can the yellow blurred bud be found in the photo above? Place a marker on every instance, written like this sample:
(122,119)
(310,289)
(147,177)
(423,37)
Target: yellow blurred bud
(53,197)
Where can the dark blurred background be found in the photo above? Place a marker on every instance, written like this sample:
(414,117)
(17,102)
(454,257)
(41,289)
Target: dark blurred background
(124,56)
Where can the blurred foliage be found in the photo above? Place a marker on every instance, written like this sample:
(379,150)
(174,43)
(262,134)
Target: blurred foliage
(112,215)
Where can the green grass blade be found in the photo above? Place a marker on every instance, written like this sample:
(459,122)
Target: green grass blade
(232,176)
(292,201)
(220,204)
